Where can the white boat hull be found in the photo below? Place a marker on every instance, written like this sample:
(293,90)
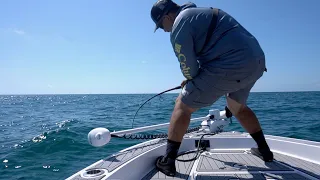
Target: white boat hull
(228,155)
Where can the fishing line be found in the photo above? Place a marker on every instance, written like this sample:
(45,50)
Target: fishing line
(198,151)
(175,88)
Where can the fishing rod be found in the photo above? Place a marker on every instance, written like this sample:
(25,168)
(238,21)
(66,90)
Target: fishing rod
(100,136)
(175,88)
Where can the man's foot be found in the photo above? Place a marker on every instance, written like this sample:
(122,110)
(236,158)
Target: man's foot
(166,165)
(264,154)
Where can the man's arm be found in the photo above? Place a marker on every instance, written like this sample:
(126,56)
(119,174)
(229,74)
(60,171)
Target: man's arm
(183,45)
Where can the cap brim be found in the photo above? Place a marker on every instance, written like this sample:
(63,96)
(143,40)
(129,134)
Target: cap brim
(156,28)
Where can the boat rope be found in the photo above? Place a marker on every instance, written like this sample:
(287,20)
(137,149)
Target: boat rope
(175,88)
(151,136)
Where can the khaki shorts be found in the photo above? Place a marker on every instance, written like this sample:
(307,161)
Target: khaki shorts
(210,85)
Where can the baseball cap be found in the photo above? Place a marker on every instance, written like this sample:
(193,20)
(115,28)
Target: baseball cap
(159,9)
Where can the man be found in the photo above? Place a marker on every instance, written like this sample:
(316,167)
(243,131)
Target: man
(217,57)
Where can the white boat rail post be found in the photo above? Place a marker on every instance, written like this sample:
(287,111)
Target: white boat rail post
(101,136)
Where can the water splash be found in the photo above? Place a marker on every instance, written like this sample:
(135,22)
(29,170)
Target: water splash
(64,123)
(39,138)
(17,146)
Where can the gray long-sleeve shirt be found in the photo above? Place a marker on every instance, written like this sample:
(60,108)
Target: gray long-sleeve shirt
(230,48)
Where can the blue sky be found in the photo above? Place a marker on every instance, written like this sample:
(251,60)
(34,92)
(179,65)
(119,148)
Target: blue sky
(104,46)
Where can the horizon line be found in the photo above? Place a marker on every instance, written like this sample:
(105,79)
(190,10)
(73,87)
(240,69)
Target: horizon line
(140,93)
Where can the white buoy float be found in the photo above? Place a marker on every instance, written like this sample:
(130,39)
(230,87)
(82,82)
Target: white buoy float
(99,137)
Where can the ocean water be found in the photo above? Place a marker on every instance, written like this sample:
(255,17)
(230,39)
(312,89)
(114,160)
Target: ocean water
(45,136)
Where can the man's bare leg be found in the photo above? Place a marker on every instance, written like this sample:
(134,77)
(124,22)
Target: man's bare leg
(180,120)
(179,123)
(249,121)
(245,116)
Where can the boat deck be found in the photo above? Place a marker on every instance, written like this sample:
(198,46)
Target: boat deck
(234,165)
(223,164)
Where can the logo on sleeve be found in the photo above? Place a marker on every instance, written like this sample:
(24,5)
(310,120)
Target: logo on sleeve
(177,48)
(182,60)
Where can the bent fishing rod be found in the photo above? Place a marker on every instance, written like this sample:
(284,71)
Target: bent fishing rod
(101,136)
(175,88)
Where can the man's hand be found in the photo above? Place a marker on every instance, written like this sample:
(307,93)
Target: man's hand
(184,82)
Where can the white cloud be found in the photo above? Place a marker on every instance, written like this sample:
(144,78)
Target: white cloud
(19,31)
(49,86)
